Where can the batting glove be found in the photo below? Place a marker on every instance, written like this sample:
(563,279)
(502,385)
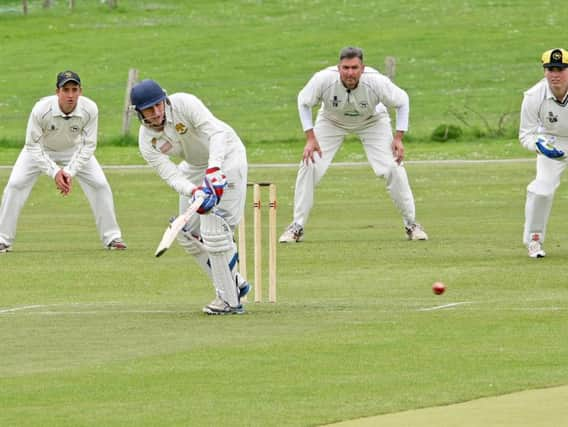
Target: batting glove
(209,199)
(216,181)
(545,146)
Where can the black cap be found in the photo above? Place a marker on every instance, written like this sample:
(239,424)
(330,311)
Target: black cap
(66,77)
(555,58)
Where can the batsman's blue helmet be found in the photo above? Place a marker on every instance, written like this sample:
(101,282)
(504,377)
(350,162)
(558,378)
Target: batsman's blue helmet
(146,94)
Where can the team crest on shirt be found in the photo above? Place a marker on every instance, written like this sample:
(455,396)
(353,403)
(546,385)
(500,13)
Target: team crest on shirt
(181,128)
(74,128)
(552,118)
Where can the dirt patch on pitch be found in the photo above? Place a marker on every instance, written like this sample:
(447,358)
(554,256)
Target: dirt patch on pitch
(531,408)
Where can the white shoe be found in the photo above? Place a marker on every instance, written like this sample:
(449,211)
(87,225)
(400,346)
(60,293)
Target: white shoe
(293,234)
(535,249)
(218,306)
(117,245)
(416,232)
(5,248)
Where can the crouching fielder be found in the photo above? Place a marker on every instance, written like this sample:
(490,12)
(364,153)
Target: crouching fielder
(61,139)
(213,166)
(544,130)
(353,100)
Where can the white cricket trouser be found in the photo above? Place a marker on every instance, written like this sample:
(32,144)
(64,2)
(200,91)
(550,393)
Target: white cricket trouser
(540,194)
(91,179)
(377,143)
(230,208)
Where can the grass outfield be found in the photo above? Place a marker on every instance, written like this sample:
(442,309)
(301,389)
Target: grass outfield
(93,338)
(248,59)
(351,151)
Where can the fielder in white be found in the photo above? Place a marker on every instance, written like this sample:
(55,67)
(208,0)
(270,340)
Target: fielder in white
(213,166)
(61,139)
(353,100)
(544,130)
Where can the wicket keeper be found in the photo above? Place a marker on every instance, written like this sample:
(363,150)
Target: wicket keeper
(544,130)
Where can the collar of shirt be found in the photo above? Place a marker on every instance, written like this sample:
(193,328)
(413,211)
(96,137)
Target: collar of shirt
(56,110)
(550,95)
(169,113)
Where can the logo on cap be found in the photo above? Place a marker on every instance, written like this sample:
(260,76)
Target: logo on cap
(555,58)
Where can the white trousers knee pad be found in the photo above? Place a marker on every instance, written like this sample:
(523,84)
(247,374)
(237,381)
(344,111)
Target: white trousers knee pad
(399,190)
(538,206)
(218,241)
(542,188)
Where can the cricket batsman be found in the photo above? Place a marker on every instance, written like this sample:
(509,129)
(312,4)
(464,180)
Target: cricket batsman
(213,167)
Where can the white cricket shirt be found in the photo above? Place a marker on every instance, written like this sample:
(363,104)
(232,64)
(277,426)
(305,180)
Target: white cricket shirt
(542,114)
(51,130)
(191,133)
(352,109)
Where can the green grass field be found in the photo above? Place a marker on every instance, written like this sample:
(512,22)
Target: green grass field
(94,338)
(248,59)
(351,151)
(91,337)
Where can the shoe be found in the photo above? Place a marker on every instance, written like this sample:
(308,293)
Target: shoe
(416,232)
(5,248)
(117,245)
(243,285)
(535,248)
(293,234)
(220,307)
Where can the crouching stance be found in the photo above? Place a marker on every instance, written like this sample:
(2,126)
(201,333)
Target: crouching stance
(61,139)
(213,167)
(544,130)
(353,100)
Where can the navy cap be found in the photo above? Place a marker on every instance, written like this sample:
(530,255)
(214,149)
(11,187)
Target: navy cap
(66,77)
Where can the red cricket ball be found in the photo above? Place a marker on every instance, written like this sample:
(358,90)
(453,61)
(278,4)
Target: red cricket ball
(438,288)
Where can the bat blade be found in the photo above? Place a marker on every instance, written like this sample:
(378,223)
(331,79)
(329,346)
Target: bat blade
(175,227)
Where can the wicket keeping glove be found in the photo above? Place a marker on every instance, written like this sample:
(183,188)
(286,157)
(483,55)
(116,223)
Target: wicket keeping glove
(216,181)
(209,199)
(545,146)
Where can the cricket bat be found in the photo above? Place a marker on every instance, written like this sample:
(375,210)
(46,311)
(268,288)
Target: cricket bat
(175,227)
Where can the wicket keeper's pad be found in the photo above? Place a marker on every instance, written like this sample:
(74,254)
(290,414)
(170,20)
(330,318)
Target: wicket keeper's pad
(175,227)
(218,240)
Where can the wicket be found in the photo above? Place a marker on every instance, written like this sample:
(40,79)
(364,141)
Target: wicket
(257,206)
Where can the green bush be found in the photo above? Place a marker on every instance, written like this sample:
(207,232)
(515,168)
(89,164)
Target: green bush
(446,132)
